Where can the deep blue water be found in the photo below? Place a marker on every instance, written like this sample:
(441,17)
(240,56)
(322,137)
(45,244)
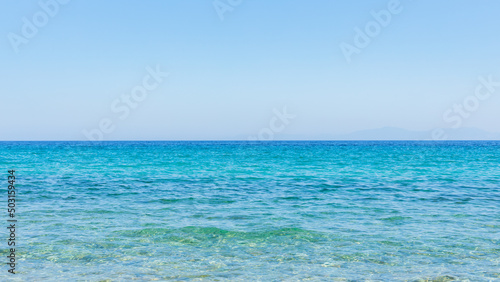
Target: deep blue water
(244,211)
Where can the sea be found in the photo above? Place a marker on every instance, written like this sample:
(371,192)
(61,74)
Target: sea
(253,211)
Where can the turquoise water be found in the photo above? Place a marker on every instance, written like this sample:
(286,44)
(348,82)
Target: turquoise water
(243,211)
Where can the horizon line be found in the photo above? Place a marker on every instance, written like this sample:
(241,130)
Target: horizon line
(262,141)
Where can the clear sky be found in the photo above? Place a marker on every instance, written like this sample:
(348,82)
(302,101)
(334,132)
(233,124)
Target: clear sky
(234,66)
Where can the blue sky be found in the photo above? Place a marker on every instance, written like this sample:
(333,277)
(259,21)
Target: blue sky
(229,76)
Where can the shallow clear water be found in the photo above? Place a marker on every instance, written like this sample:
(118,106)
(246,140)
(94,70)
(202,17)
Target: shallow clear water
(346,211)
